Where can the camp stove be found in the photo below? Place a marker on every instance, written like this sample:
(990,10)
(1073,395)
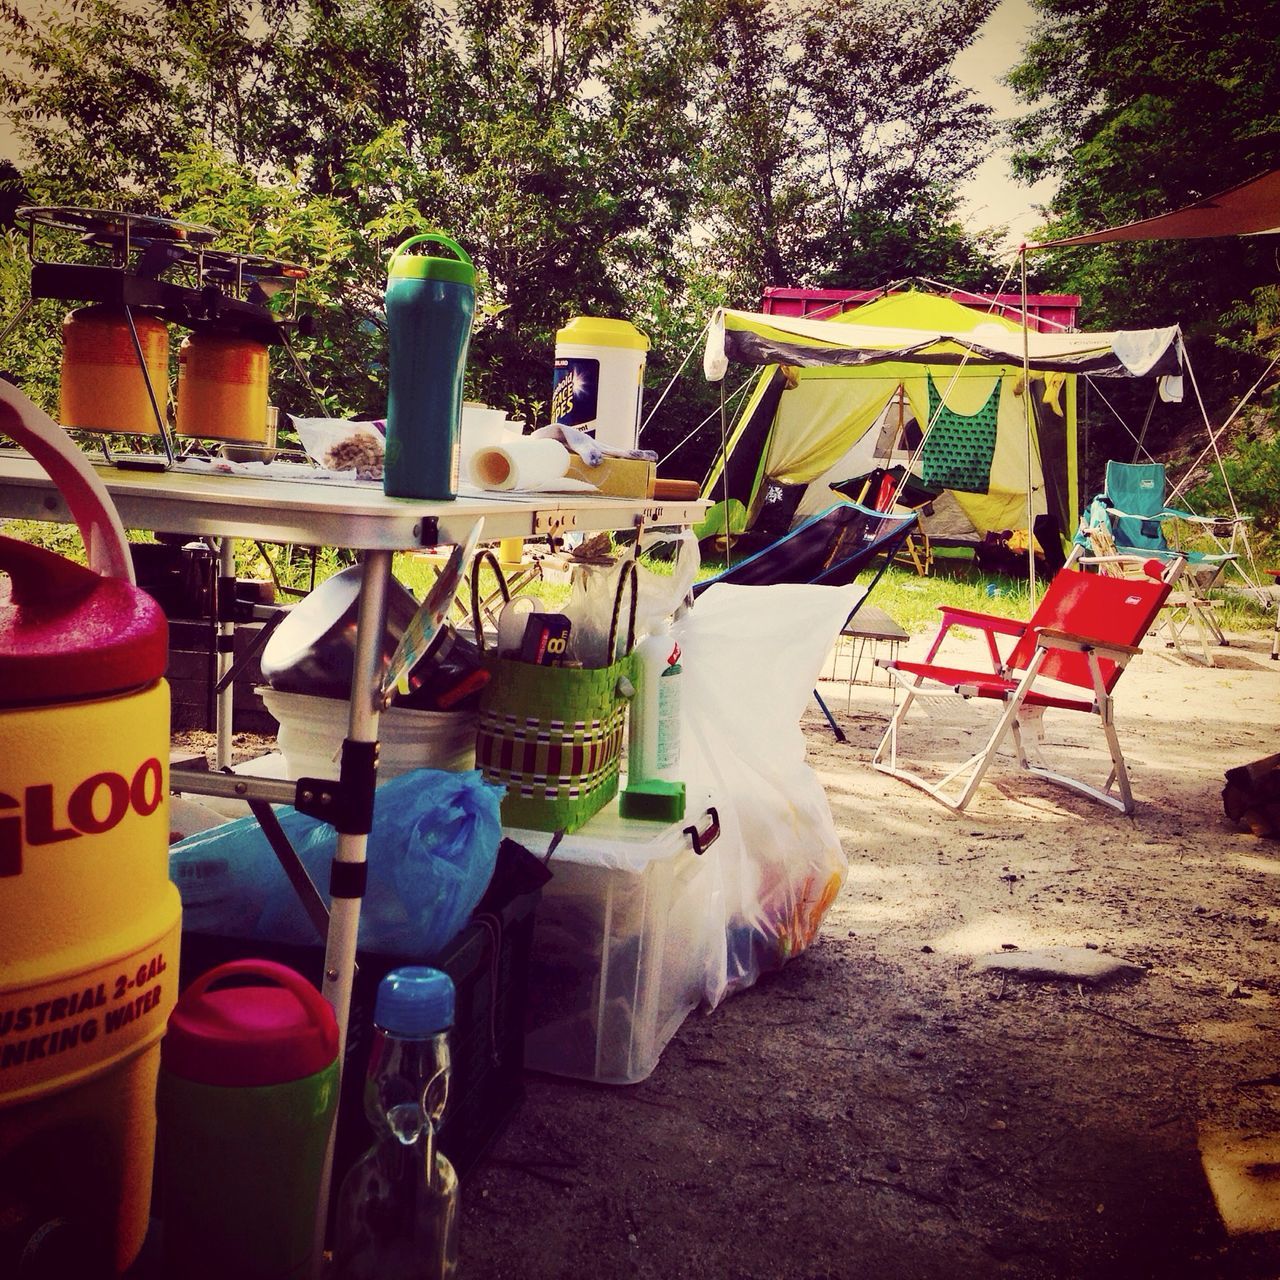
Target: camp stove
(146,271)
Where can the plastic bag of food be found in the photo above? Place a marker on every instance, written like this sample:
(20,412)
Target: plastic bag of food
(340,445)
(750,658)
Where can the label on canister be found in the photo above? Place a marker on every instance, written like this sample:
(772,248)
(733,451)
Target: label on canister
(89,947)
(575,390)
(66,1030)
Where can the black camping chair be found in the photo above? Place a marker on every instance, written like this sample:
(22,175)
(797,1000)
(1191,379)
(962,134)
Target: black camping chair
(906,489)
(830,549)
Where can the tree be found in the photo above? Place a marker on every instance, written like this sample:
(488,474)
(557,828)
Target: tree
(645,158)
(836,137)
(1138,108)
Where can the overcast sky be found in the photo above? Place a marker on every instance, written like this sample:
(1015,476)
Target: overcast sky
(993,198)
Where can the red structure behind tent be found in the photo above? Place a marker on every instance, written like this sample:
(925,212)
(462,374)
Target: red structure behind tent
(1047,311)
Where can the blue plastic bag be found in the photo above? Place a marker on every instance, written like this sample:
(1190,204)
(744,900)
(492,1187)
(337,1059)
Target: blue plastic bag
(431,855)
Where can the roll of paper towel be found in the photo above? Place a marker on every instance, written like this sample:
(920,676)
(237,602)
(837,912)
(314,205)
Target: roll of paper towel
(524,463)
(482,427)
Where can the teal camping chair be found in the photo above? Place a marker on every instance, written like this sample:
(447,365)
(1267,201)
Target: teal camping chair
(1132,508)
(1124,526)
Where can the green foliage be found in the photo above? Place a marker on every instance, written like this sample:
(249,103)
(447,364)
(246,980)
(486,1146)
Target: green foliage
(340,240)
(63,539)
(836,136)
(32,352)
(1252,470)
(1138,108)
(645,158)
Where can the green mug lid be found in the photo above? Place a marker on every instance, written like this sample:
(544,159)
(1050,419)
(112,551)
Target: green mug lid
(420,266)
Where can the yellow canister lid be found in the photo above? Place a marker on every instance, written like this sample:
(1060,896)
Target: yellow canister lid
(592,331)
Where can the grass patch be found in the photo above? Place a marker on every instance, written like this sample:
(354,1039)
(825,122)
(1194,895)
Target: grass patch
(909,599)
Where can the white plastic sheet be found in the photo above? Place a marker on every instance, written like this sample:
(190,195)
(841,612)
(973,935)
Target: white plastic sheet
(595,587)
(751,658)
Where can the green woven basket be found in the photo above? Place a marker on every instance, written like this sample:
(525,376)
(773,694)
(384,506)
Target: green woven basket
(553,735)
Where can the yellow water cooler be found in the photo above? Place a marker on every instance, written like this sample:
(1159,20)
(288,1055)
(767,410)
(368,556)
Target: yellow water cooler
(89,943)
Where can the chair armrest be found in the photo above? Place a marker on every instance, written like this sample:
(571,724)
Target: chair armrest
(1120,557)
(1194,519)
(988,624)
(1051,639)
(953,616)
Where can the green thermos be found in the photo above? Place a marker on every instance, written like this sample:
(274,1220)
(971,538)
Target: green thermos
(430,305)
(247,1094)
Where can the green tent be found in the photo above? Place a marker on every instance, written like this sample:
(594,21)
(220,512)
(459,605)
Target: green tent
(915,379)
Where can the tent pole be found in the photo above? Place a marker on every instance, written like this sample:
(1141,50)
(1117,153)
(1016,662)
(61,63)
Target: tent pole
(724,476)
(1026,405)
(1146,422)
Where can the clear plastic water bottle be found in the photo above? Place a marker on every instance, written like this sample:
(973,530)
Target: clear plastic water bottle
(398,1208)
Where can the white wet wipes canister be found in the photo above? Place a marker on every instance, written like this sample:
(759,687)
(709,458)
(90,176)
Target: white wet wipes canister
(598,383)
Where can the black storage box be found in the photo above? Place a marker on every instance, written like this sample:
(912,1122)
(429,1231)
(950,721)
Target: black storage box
(489,965)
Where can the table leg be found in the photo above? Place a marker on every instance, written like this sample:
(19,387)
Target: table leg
(359,774)
(226,643)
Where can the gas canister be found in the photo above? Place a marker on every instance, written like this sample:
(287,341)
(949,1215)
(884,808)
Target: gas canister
(89,947)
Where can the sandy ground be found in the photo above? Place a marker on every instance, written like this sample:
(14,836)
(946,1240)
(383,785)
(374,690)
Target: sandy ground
(881,1108)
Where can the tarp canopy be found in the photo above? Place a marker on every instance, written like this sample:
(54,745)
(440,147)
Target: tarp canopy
(1251,209)
(837,398)
(752,338)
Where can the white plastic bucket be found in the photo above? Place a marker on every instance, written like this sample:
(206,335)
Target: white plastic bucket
(312,730)
(599,379)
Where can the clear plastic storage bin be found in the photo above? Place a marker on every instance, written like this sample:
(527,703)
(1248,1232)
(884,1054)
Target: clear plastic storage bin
(621,945)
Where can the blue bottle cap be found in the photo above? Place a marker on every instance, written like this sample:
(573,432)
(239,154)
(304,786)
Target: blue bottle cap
(414,1001)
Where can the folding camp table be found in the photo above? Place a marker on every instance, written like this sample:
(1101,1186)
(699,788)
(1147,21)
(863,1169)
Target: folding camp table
(358,517)
(866,630)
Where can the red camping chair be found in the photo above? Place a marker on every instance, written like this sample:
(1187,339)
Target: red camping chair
(1068,657)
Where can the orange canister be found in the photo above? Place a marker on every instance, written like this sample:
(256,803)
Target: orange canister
(103,387)
(222,388)
(89,943)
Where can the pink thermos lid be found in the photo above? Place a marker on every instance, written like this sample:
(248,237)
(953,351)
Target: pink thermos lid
(250,1035)
(68,633)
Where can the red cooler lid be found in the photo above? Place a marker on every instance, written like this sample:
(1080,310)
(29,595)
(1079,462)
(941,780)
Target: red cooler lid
(245,1036)
(66,632)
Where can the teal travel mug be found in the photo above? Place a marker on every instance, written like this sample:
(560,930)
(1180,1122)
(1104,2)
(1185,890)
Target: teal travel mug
(430,305)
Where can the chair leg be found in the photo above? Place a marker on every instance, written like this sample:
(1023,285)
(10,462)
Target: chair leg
(1189,612)
(1275,599)
(831,720)
(890,738)
(1193,615)
(1118,777)
(968,774)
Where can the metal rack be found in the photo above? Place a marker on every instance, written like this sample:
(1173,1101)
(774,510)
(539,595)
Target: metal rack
(163,267)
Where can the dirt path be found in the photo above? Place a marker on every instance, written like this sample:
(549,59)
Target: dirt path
(881,1109)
